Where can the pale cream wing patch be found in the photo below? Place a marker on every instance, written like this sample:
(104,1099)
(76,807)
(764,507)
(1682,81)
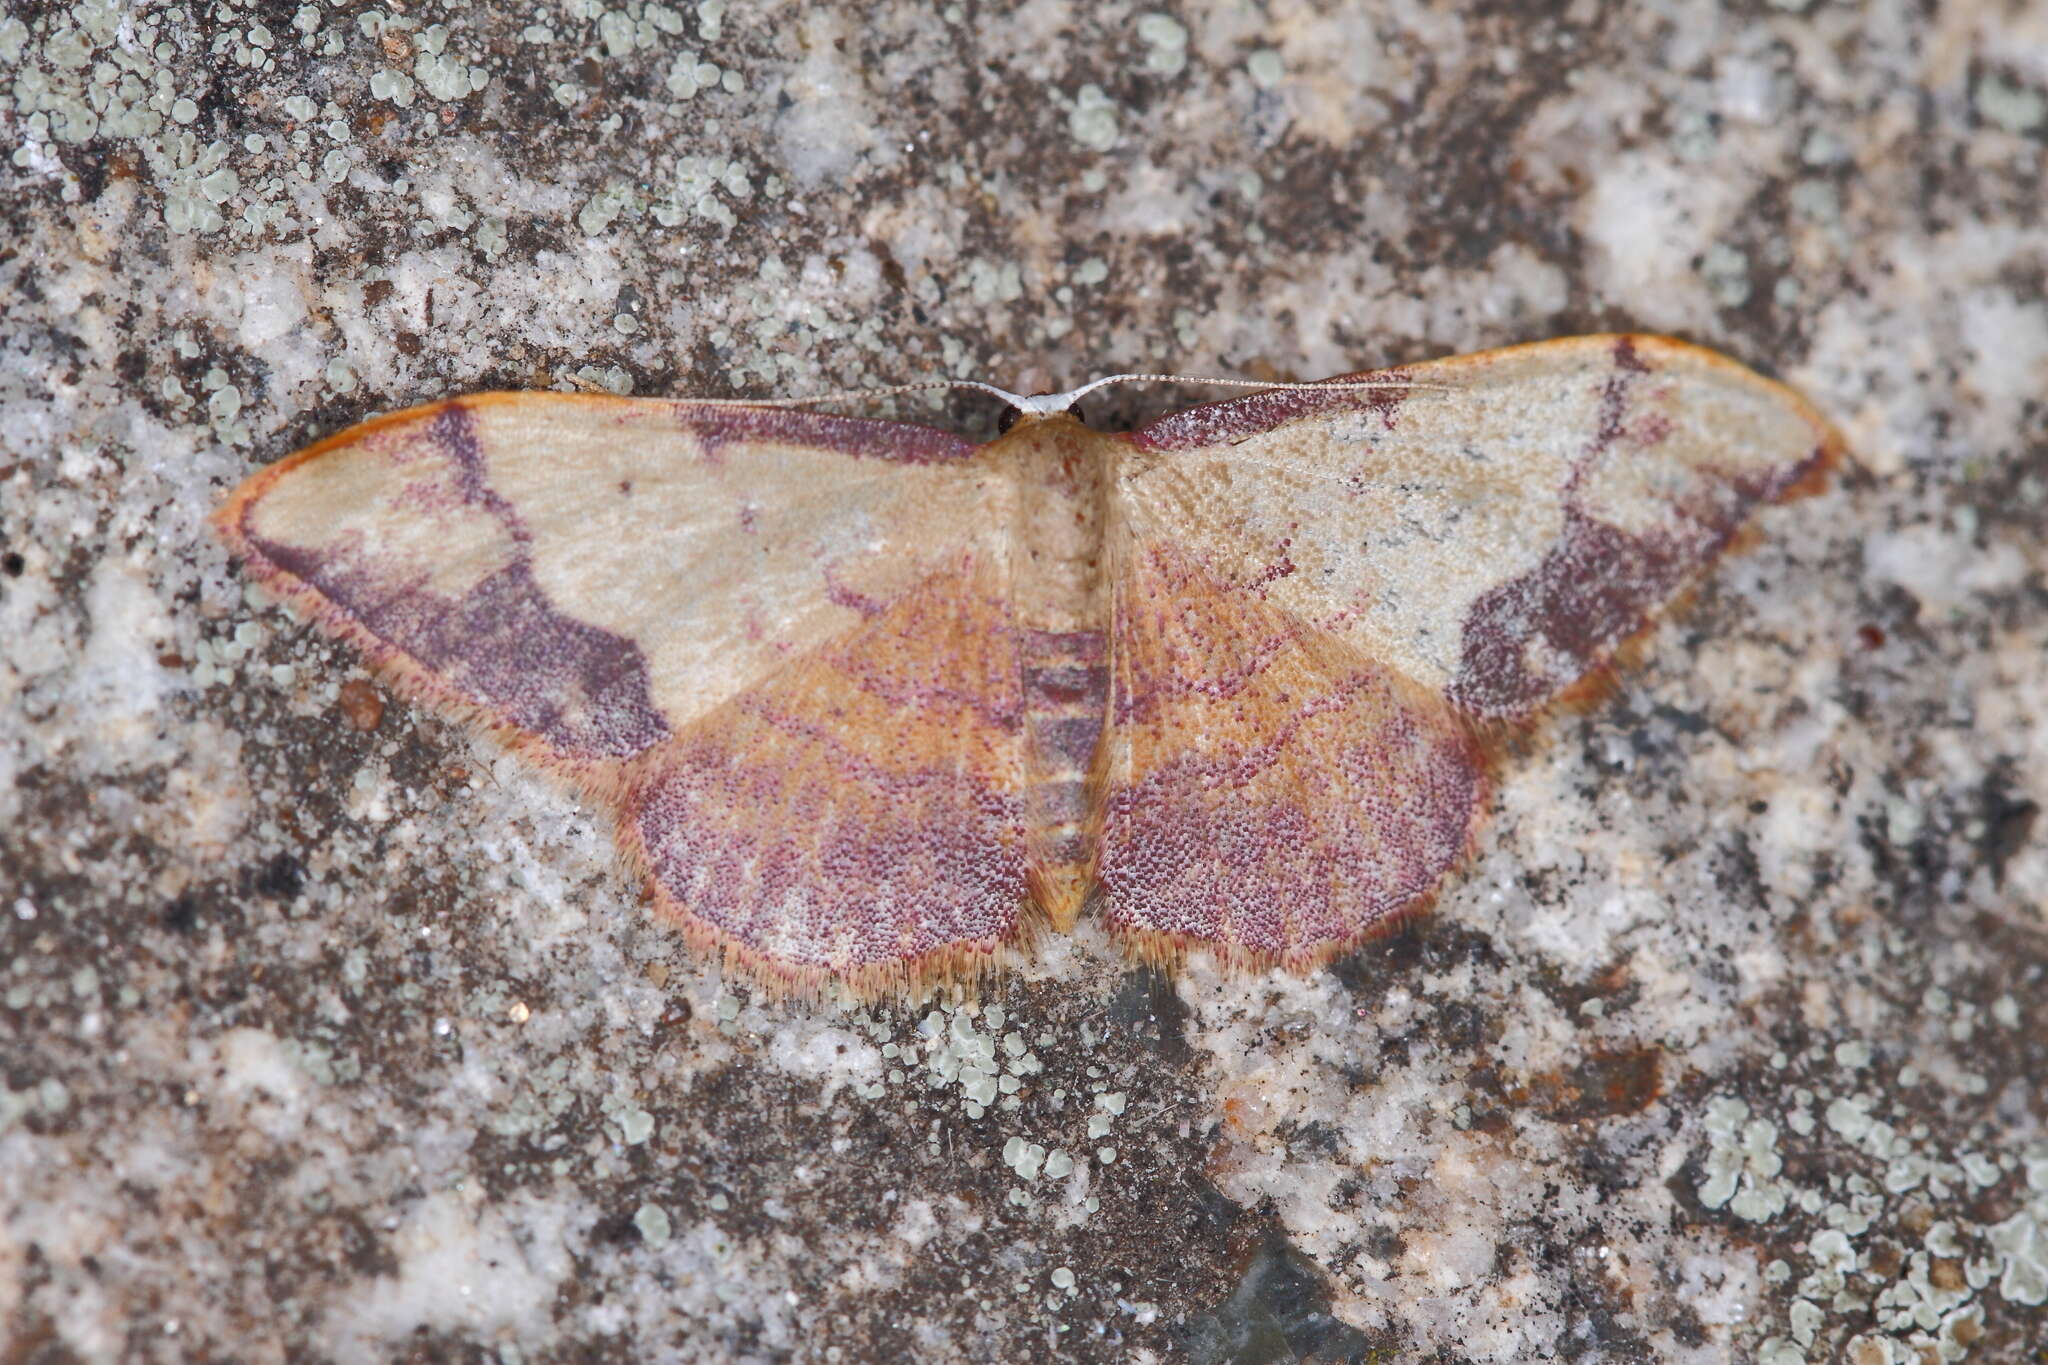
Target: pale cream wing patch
(1492,526)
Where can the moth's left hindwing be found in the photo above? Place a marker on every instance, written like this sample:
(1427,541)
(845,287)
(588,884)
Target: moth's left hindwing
(774,643)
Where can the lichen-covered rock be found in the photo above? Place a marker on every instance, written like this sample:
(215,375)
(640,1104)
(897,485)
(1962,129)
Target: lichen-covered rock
(329,1031)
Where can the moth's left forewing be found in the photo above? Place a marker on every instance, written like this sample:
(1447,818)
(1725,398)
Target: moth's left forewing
(392,536)
(590,575)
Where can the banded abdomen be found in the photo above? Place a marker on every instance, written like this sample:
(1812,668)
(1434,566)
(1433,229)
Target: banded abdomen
(1066,685)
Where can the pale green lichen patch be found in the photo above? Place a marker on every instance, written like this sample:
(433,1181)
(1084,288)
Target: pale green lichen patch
(1092,119)
(653,1223)
(1107,1109)
(443,74)
(691,74)
(1726,271)
(82,75)
(995,1068)
(1166,43)
(700,188)
(1742,1162)
(1880,1178)
(636,1125)
(395,86)
(13,38)
(1025,1158)
(990,282)
(602,209)
(224,406)
(624,32)
(2015,108)
(2021,1241)
(959,1053)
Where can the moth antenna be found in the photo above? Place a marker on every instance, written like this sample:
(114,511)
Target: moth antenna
(1044,404)
(1060,402)
(852,395)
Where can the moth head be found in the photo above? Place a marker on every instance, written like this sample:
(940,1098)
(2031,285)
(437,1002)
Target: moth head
(1013,414)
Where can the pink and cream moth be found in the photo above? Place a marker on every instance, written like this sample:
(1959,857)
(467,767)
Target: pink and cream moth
(868,702)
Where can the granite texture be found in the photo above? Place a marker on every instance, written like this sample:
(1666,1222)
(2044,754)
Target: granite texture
(327,1031)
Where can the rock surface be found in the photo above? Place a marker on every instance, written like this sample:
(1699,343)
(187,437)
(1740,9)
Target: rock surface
(330,1032)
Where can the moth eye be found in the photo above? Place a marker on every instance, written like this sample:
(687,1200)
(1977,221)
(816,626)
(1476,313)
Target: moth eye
(1008,419)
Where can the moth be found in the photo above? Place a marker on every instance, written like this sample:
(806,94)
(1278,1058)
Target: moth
(868,702)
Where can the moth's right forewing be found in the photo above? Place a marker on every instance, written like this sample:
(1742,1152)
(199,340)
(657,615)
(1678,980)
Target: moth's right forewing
(1492,525)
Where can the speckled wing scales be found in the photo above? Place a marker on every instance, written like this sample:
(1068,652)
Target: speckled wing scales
(739,628)
(1311,588)
(857,816)
(1268,791)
